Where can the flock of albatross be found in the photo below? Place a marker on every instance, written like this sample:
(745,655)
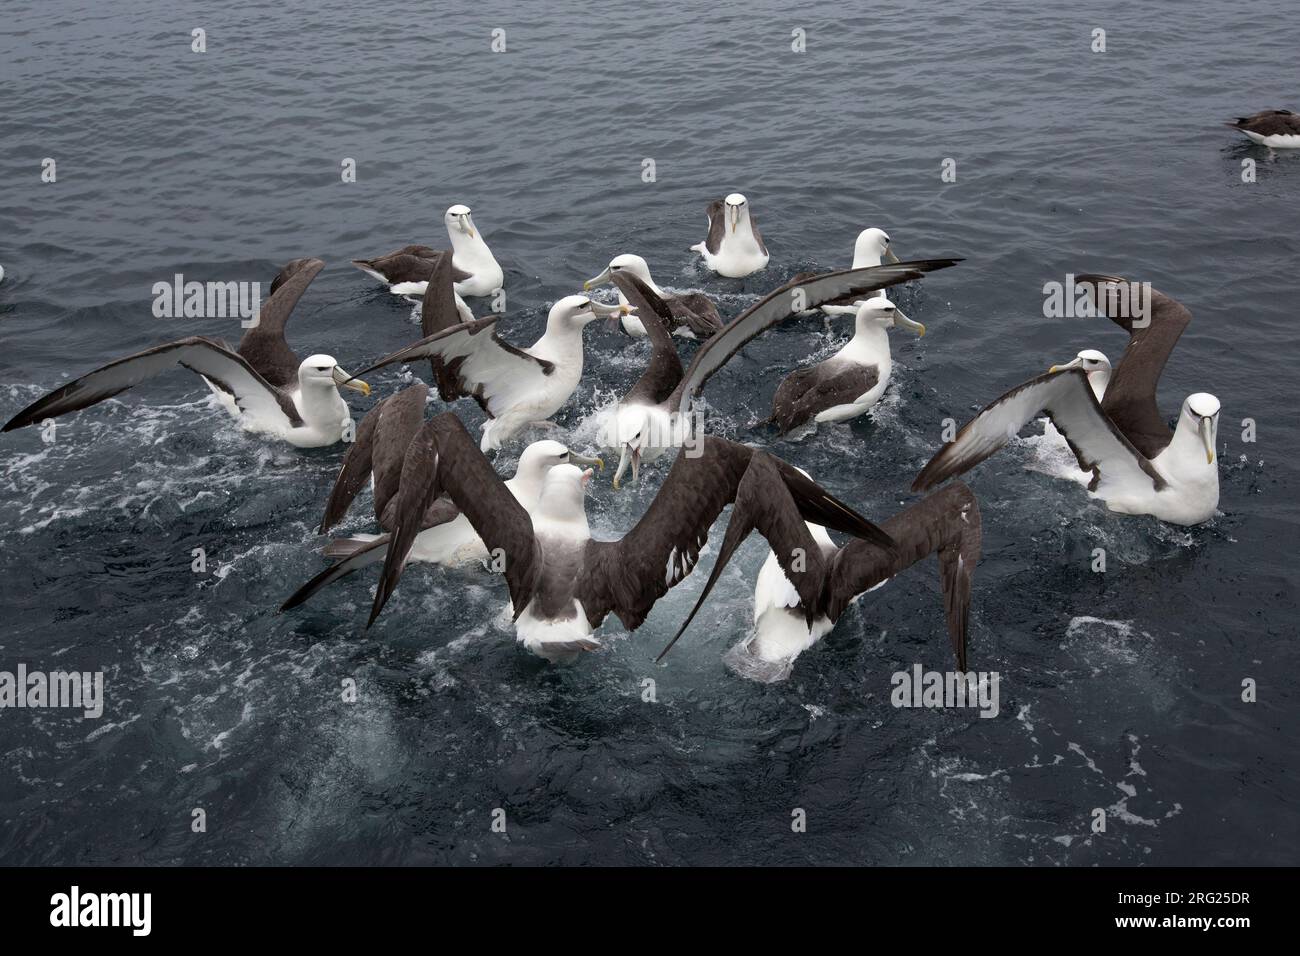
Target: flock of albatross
(437,497)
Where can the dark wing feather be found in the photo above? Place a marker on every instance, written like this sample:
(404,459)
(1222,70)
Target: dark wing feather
(628,576)
(408,264)
(383,434)
(807,391)
(946,523)
(443,457)
(776,500)
(665,369)
(477,363)
(1130,399)
(1068,400)
(792,298)
(227,370)
(717,227)
(263,345)
(371,552)
(1269,123)
(697,312)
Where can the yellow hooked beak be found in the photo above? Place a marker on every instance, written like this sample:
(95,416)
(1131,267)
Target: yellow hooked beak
(1207,439)
(1061,368)
(344,380)
(889,254)
(585,462)
(464,224)
(905,322)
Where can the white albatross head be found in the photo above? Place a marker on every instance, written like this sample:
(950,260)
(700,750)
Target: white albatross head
(321,371)
(872,248)
(575,311)
(541,456)
(1200,416)
(624,263)
(458,221)
(882,313)
(736,207)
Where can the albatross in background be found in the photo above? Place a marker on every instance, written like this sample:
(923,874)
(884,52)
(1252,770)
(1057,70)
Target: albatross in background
(656,415)
(406,271)
(1138,466)
(734,246)
(446,536)
(852,380)
(562,582)
(798,600)
(694,314)
(262,384)
(1277,128)
(516,387)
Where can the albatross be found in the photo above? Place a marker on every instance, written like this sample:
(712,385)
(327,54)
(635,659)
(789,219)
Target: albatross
(1138,466)
(515,386)
(446,536)
(694,314)
(657,414)
(562,581)
(1277,128)
(734,246)
(851,381)
(807,581)
(406,271)
(262,384)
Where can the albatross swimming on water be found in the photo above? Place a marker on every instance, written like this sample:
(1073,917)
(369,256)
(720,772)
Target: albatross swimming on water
(1138,466)
(446,536)
(852,380)
(694,314)
(808,581)
(406,271)
(1277,128)
(656,415)
(262,384)
(734,246)
(562,581)
(515,386)
(1052,454)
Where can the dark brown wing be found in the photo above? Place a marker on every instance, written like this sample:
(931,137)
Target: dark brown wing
(1130,399)
(1269,123)
(442,457)
(776,500)
(263,345)
(382,434)
(478,363)
(784,303)
(408,264)
(697,312)
(628,576)
(717,226)
(665,369)
(227,370)
(807,391)
(946,523)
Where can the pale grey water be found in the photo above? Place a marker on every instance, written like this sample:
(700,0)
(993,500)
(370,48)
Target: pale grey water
(226,164)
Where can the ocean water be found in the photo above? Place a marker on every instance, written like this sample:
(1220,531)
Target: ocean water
(1119,691)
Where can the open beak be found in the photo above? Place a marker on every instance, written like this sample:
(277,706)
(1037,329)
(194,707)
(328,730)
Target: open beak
(889,254)
(344,380)
(905,322)
(1061,368)
(598,280)
(631,456)
(465,226)
(585,462)
(1207,439)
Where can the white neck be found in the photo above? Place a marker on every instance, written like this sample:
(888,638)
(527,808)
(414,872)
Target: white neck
(1099,380)
(320,405)
(1183,460)
(472,250)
